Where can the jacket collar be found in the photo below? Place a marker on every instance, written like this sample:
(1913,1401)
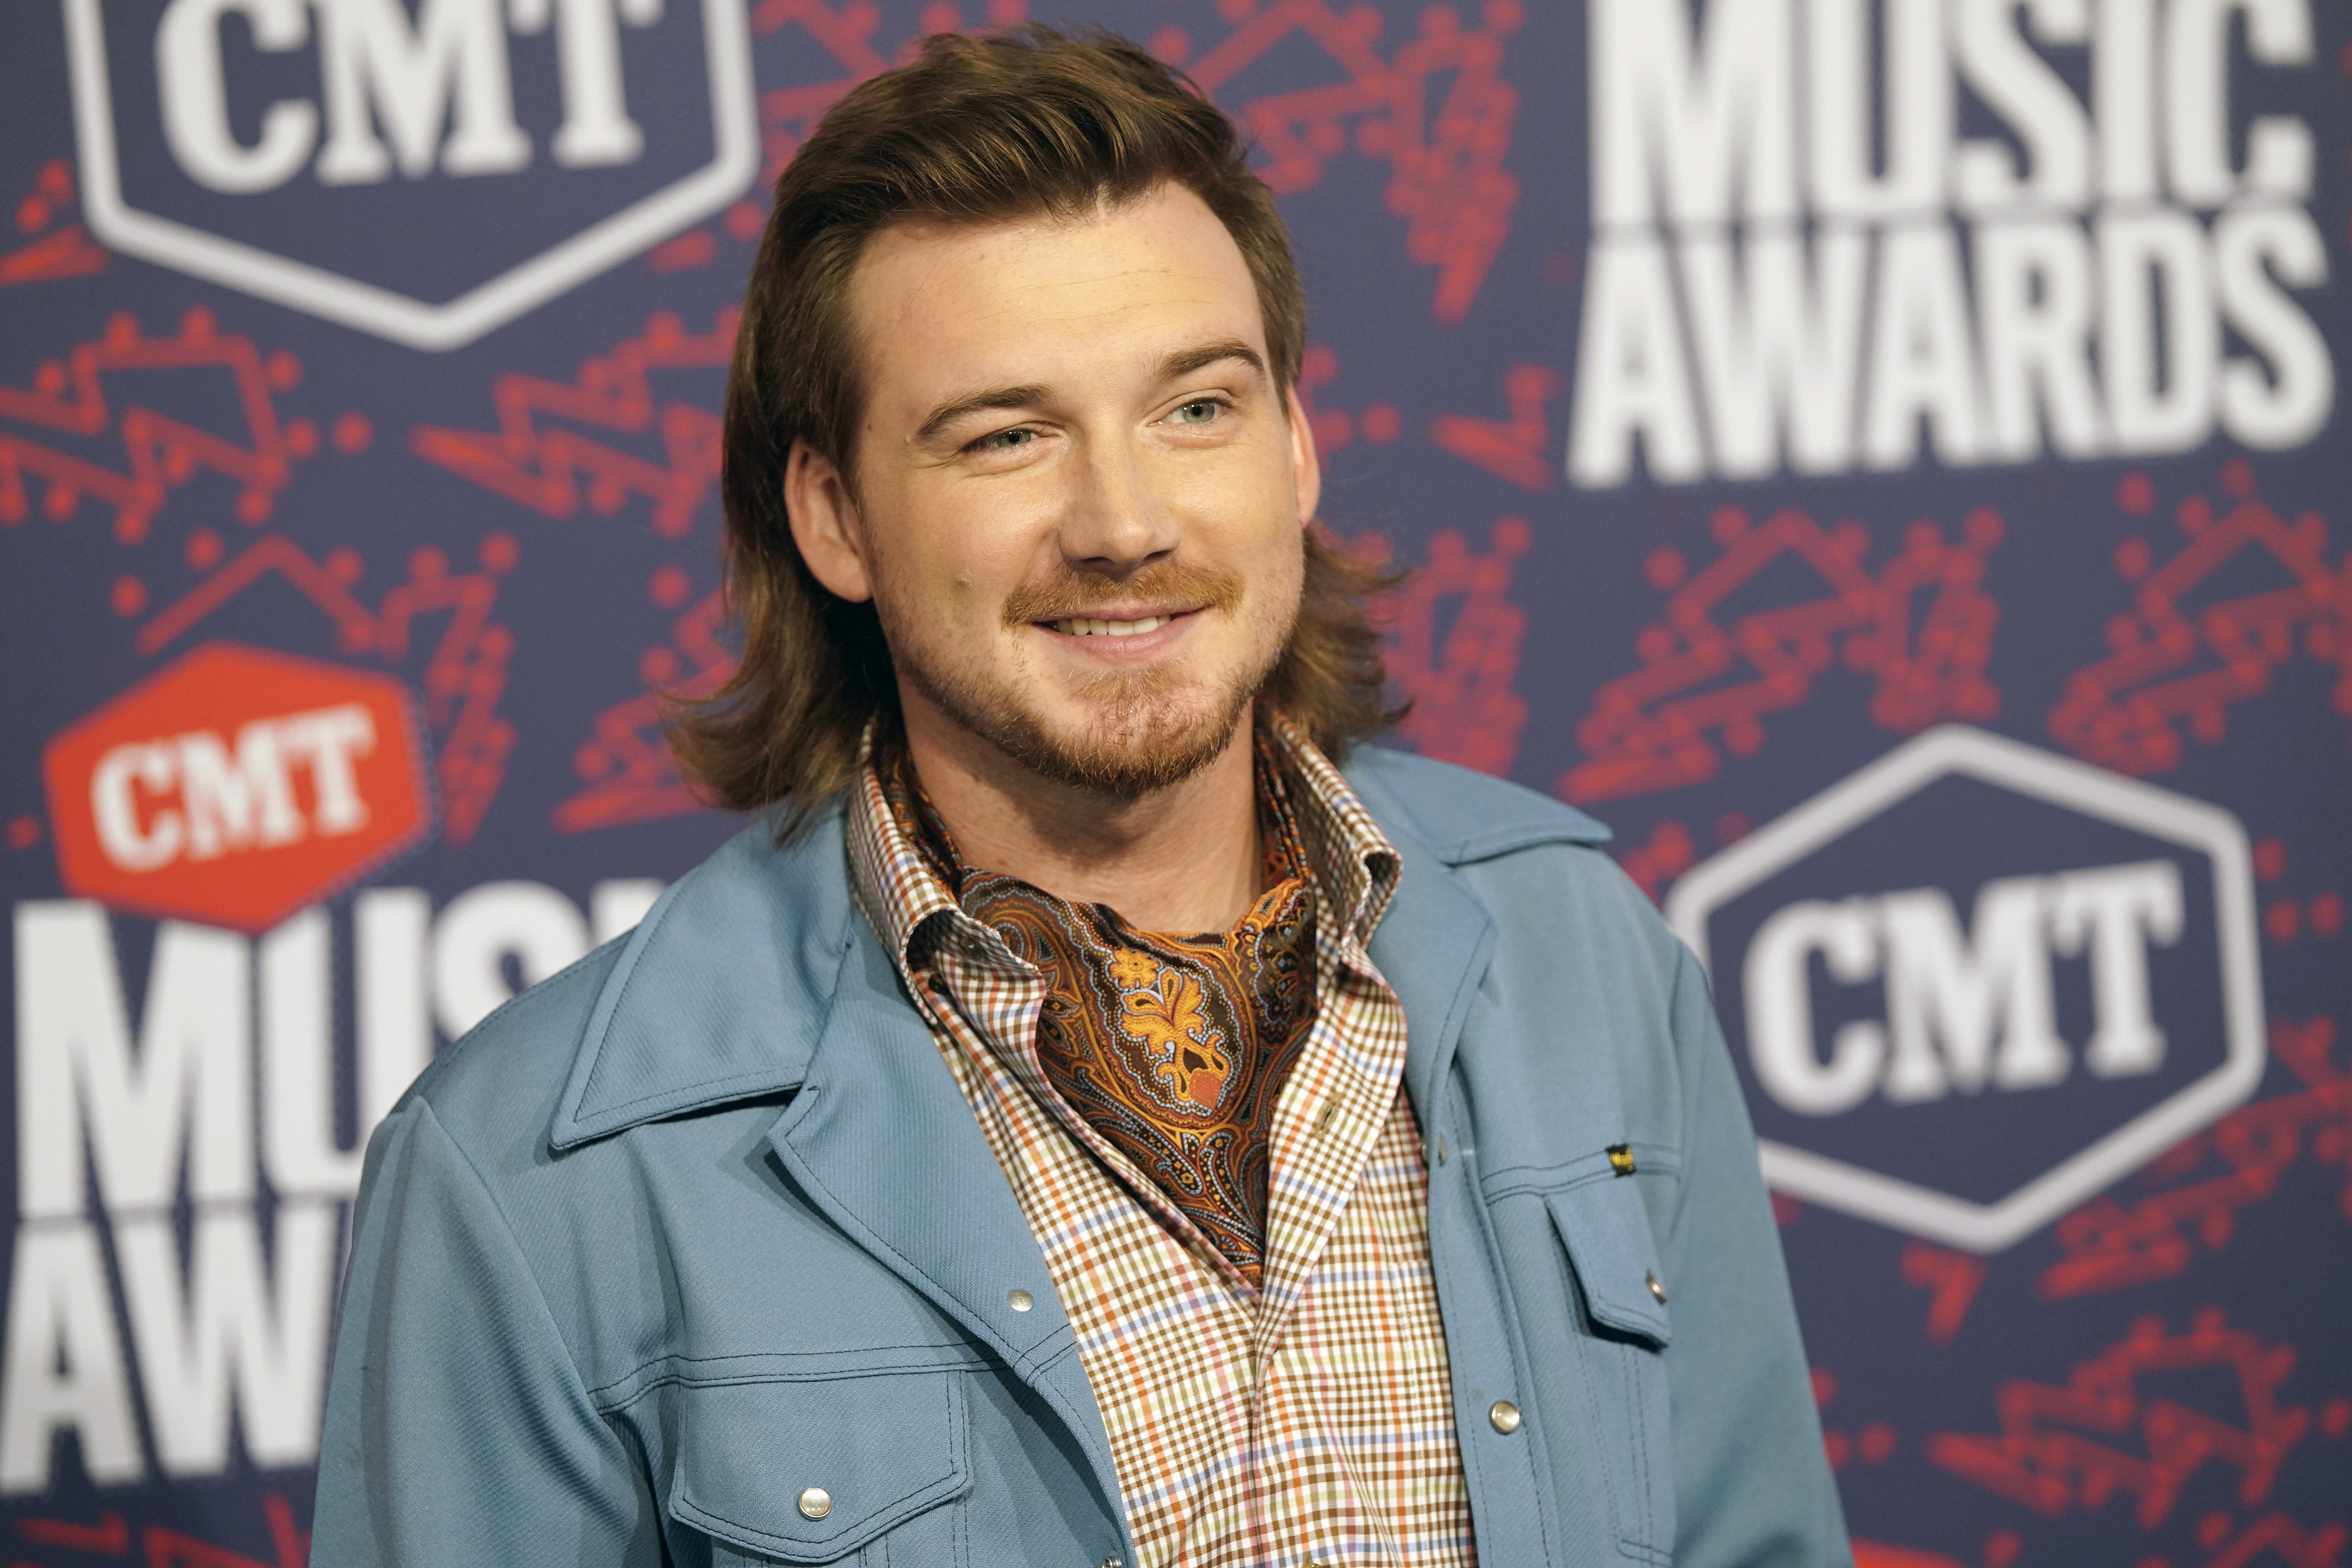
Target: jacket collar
(1438,936)
(725,989)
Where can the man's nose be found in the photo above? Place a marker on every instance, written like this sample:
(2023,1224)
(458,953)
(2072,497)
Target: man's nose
(1116,518)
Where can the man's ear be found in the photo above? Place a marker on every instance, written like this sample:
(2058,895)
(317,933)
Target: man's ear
(825,524)
(1305,472)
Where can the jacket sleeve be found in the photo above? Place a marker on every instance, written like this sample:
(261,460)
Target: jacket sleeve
(1753,1489)
(457,1429)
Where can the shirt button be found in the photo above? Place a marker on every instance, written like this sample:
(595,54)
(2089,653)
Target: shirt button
(1019,1300)
(1504,1416)
(817,1502)
(1657,1290)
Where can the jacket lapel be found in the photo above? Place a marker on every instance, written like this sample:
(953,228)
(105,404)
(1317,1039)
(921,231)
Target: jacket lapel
(754,975)
(880,1139)
(1433,945)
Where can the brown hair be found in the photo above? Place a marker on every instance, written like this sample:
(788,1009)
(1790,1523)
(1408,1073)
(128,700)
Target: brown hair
(975,130)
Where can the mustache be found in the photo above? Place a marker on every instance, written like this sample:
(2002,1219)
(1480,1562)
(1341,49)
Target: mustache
(1067,593)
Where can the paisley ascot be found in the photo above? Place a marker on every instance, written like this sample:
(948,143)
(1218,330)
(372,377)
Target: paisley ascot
(1174,1048)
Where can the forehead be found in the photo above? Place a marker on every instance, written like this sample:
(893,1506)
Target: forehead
(940,307)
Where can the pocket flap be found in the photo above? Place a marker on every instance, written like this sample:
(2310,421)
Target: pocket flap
(882,1446)
(1606,1229)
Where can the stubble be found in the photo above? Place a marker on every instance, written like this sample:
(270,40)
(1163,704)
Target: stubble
(1144,729)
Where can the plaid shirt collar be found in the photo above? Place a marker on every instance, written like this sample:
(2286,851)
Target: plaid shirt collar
(1355,866)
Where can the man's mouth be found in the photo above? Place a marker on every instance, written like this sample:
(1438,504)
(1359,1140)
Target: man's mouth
(1158,605)
(1082,626)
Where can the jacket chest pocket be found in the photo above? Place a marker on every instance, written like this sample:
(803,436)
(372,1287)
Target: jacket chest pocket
(1605,1229)
(866,1470)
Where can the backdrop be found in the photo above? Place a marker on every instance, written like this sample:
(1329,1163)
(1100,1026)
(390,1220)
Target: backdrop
(1883,457)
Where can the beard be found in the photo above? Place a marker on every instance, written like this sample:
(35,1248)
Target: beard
(1143,730)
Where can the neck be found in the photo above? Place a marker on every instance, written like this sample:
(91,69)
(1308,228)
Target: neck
(1182,858)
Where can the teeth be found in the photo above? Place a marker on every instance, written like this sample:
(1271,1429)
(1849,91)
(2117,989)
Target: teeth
(1083,627)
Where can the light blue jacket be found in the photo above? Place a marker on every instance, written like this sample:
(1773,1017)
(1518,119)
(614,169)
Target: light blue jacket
(703,1222)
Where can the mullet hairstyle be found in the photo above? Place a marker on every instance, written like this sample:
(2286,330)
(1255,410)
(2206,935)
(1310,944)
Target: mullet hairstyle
(976,131)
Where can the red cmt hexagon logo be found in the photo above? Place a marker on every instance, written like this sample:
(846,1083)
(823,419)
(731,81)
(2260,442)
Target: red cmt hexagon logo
(237,786)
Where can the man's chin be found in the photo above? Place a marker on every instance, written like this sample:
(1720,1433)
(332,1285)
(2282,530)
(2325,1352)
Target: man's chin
(1118,734)
(1123,755)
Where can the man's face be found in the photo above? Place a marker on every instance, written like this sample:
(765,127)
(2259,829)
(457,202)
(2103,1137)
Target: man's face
(1080,496)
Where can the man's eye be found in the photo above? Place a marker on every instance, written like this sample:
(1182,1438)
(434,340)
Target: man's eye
(1005,440)
(1200,410)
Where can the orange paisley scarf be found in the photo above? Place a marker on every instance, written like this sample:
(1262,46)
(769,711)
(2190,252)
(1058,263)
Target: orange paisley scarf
(1173,1048)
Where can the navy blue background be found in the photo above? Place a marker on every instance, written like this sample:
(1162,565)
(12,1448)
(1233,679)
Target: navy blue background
(584,602)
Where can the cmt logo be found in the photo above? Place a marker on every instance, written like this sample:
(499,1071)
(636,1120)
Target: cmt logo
(422,169)
(236,786)
(233,798)
(1965,1007)
(1967,1055)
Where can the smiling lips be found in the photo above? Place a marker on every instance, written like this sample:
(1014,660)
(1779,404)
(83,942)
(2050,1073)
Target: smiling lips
(1083,627)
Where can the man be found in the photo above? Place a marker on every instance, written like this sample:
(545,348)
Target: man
(1078,1124)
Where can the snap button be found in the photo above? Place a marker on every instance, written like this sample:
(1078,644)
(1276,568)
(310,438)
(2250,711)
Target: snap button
(1503,1415)
(1113,1562)
(817,1502)
(1019,1300)
(1657,1290)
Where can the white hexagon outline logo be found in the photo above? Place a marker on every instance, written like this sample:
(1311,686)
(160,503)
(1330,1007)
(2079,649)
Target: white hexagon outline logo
(1961,750)
(298,285)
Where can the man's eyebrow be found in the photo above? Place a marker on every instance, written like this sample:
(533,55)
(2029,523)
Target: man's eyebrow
(948,412)
(1184,362)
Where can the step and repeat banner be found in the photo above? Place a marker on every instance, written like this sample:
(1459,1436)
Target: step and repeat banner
(1886,457)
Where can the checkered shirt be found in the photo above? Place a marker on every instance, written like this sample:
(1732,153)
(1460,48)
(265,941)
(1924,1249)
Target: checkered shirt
(1310,1422)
